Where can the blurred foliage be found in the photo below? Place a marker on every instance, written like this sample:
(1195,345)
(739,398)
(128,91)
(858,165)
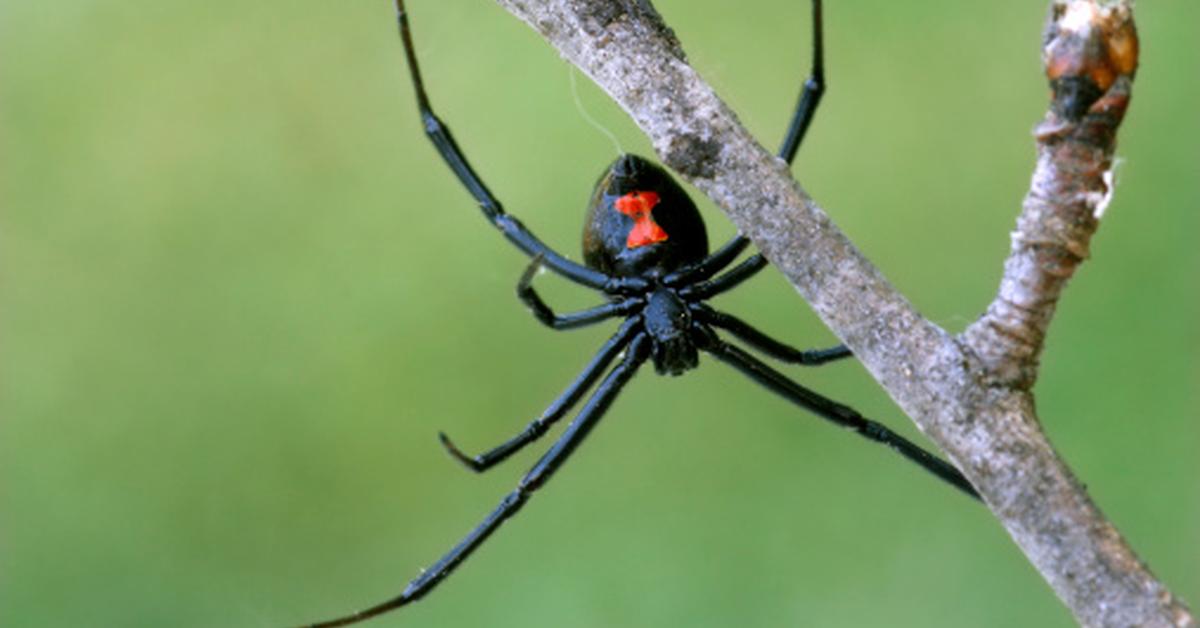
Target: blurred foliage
(241,295)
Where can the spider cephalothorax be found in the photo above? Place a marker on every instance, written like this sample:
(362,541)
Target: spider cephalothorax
(646,250)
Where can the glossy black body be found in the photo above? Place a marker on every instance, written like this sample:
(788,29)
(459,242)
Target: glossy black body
(605,229)
(668,321)
(665,316)
(659,285)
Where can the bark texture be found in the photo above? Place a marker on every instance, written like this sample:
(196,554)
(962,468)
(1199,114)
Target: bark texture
(970,393)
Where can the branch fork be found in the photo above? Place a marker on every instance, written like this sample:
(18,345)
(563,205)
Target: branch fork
(970,393)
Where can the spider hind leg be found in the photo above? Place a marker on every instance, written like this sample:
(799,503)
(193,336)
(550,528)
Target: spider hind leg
(829,409)
(541,472)
(555,411)
(750,335)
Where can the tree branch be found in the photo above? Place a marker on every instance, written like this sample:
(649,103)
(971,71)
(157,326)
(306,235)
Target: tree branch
(970,393)
(1090,55)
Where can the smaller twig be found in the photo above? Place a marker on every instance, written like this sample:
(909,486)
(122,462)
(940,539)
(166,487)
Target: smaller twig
(1090,54)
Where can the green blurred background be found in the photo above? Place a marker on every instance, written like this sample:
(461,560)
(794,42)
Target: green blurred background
(241,295)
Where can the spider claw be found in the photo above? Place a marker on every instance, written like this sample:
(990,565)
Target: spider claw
(467,461)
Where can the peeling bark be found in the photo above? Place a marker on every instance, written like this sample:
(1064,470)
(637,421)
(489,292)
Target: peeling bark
(971,393)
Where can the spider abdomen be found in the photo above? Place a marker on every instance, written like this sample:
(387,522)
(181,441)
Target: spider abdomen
(641,223)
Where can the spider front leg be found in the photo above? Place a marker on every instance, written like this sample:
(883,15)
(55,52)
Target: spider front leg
(555,411)
(573,320)
(768,345)
(439,134)
(710,265)
(829,409)
(537,477)
(802,117)
(730,280)
(810,94)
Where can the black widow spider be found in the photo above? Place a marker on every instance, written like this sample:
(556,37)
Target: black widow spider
(646,249)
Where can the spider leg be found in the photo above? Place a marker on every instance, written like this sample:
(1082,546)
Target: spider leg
(555,411)
(768,345)
(829,409)
(802,117)
(572,320)
(535,479)
(810,95)
(439,134)
(736,275)
(710,265)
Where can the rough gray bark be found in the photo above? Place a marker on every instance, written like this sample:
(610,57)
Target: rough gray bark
(970,393)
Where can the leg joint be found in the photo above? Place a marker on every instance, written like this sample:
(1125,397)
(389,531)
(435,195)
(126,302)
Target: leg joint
(433,126)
